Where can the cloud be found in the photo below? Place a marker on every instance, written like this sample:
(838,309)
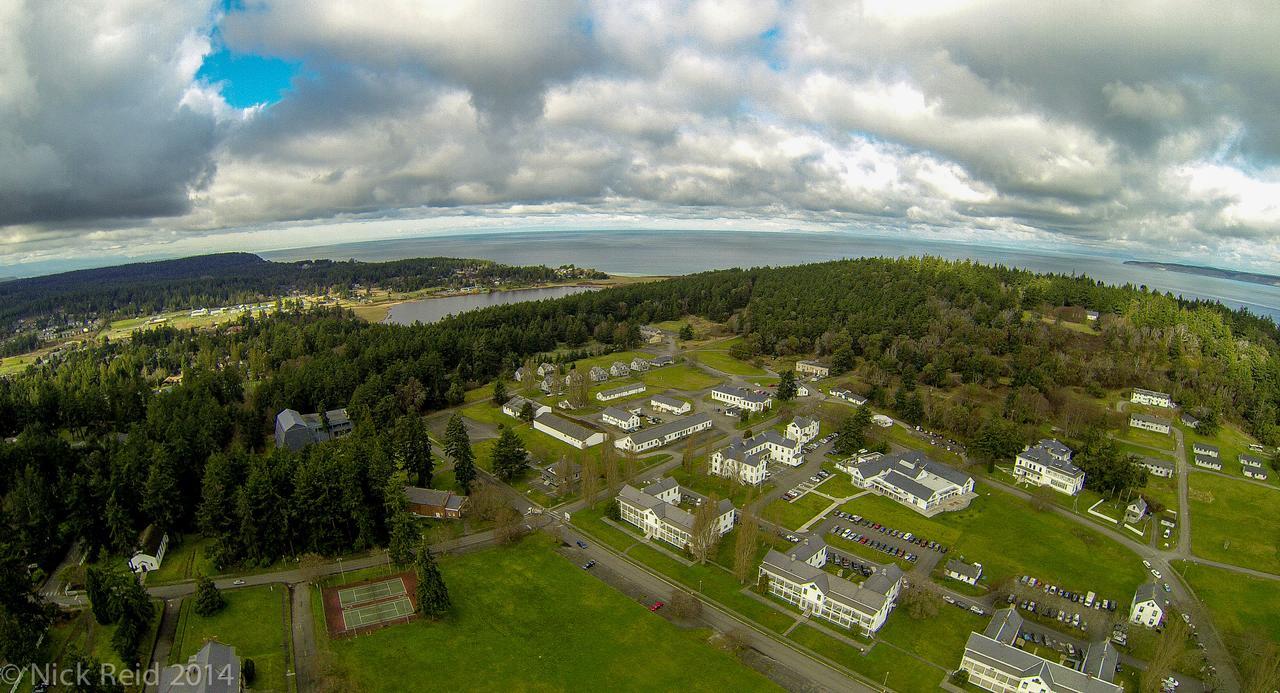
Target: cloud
(1142,126)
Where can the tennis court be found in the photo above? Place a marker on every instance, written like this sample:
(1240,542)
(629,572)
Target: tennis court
(371,592)
(360,616)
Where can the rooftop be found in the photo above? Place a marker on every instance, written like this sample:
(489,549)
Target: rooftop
(565,426)
(663,430)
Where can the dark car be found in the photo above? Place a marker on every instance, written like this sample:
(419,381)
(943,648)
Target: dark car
(582,544)
(588,565)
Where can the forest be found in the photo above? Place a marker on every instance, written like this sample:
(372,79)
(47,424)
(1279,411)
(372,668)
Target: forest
(98,447)
(226,279)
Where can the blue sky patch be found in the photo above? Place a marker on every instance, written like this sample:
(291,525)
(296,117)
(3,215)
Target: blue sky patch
(248,80)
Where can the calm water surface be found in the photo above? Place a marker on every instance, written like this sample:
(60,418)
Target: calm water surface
(428,310)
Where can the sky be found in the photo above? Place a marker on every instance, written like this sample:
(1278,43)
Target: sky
(133,128)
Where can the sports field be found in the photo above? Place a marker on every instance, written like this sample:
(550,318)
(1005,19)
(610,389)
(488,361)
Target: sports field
(370,592)
(353,607)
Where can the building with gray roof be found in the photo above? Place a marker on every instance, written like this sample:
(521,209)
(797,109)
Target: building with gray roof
(910,478)
(1048,463)
(863,607)
(994,663)
(742,397)
(655,510)
(296,431)
(214,669)
(662,434)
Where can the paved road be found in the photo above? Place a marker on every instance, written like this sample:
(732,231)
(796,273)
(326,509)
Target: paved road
(302,628)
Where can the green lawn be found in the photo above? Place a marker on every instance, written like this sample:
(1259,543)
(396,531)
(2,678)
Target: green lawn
(1234,522)
(1150,439)
(486,412)
(723,362)
(1011,539)
(525,619)
(1243,607)
(884,664)
(253,622)
(837,485)
(792,515)
(700,481)
(677,377)
(184,561)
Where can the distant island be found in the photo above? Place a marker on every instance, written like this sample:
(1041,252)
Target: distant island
(1252,277)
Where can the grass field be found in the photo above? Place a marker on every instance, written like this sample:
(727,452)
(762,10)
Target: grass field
(532,621)
(677,377)
(838,484)
(1244,608)
(890,666)
(253,622)
(723,362)
(1010,539)
(792,515)
(1234,521)
(1149,439)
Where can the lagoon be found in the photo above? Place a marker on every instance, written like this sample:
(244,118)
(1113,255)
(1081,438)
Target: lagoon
(429,310)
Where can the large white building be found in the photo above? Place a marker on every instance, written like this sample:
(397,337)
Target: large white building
(621,418)
(742,398)
(1149,423)
(1205,449)
(515,406)
(754,453)
(656,511)
(913,480)
(1149,606)
(800,580)
(802,429)
(994,663)
(812,368)
(562,429)
(1048,463)
(662,434)
(1151,398)
(1157,467)
(670,405)
(620,391)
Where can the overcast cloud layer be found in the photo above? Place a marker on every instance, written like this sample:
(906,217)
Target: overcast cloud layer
(1149,126)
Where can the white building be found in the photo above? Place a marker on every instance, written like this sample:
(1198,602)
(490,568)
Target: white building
(639,364)
(820,594)
(1157,467)
(1148,606)
(546,369)
(1151,398)
(881,420)
(514,406)
(619,369)
(662,434)
(521,373)
(802,429)
(742,398)
(964,572)
(1205,449)
(656,511)
(735,462)
(152,544)
(994,663)
(563,429)
(670,405)
(913,480)
(769,444)
(1208,462)
(651,334)
(660,361)
(620,391)
(598,374)
(1149,423)
(1136,510)
(812,368)
(621,418)
(1259,473)
(1048,463)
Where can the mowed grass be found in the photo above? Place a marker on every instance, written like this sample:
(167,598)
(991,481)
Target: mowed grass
(1244,608)
(252,622)
(884,664)
(1231,441)
(723,362)
(1011,539)
(525,619)
(792,515)
(677,377)
(1234,521)
(1148,439)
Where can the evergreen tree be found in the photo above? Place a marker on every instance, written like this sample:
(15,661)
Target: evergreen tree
(787,386)
(136,612)
(458,445)
(526,412)
(853,432)
(433,595)
(499,392)
(686,332)
(162,501)
(101,587)
(209,599)
(400,546)
(411,449)
(510,459)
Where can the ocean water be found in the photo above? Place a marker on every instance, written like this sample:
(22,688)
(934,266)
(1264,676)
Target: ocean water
(657,252)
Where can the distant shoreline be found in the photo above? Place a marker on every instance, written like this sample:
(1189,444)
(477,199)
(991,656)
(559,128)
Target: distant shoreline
(1251,277)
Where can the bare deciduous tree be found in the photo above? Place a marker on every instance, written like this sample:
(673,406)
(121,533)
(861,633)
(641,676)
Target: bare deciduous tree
(590,481)
(1170,647)
(705,535)
(744,548)
(684,606)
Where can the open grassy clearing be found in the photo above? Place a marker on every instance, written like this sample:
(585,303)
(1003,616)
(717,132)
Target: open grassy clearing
(723,362)
(792,515)
(253,622)
(679,376)
(1147,439)
(532,621)
(1234,521)
(1244,608)
(1011,539)
(887,665)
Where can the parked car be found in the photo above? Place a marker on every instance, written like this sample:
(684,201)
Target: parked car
(582,544)
(657,605)
(588,565)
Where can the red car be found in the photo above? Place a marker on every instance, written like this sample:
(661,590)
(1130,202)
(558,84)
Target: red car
(656,606)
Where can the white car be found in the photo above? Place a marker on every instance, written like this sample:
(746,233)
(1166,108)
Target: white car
(1147,564)
(1155,573)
